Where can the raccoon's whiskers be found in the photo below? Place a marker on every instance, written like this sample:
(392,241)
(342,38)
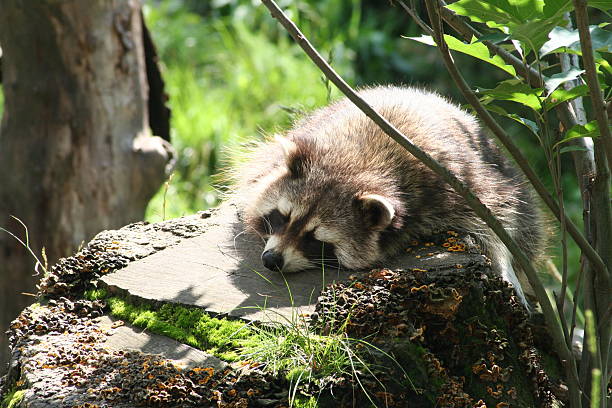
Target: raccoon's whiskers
(268,225)
(326,265)
(237,235)
(244,231)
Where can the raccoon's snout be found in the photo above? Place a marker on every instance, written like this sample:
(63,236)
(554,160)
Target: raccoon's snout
(272,260)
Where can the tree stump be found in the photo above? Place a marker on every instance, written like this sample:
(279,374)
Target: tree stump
(433,327)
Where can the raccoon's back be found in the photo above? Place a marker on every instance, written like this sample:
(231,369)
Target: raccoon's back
(354,149)
(349,143)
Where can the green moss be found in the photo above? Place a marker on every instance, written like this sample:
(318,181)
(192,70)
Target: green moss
(95,294)
(220,337)
(13,398)
(305,402)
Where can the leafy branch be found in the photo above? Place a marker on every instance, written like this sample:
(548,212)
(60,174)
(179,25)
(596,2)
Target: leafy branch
(533,77)
(544,31)
(433,9)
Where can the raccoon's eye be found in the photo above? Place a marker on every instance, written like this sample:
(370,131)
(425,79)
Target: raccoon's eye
(275,222)
(319,251)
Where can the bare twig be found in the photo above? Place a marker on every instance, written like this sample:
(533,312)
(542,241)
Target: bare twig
(556,174)
(417,19)
(547,309)
(518,157)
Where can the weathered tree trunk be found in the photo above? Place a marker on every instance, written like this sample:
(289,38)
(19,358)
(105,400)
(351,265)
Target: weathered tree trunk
(76,154)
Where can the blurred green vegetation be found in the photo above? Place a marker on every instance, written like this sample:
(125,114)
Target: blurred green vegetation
(232,74)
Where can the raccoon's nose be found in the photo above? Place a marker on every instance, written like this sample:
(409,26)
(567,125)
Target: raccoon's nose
(272,260)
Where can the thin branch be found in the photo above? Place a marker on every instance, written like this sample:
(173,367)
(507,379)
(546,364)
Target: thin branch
(417,19)
(575,298)
(518,157)
(547,309)
(588,60)
(556,173)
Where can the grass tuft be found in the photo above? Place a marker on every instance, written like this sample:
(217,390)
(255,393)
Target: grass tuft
(13,398)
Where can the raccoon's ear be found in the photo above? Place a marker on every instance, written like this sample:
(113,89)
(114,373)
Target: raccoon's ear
(378,212)
(295,158)
(287,145)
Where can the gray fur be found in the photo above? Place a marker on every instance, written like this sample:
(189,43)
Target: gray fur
(333,158)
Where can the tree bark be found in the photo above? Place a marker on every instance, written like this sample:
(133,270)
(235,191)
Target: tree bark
(76,154)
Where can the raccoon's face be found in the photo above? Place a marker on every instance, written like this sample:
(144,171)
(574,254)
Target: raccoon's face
(313,219)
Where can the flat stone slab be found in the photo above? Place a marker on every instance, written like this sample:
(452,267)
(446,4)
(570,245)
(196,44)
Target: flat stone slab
(125,337)
(220,271)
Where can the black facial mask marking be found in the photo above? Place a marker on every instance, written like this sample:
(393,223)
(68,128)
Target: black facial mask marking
(318,251)
(274,222)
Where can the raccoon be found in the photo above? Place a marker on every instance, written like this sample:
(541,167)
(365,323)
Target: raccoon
(335,190)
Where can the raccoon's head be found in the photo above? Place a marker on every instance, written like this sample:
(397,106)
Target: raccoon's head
(312,214)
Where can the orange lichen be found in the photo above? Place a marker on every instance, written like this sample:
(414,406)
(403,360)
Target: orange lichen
(419,288)
(498,393)
(458,247)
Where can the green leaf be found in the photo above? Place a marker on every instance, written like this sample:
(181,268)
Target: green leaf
(493,13)
(516,91)
(561,95)
(528,21)
(494,108)
(555,80)
(475,49)
(529,124)
(591,129)
(565,40)
(556,7)
(494,38)
(534,34)
(603,5)
(566,149)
